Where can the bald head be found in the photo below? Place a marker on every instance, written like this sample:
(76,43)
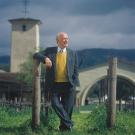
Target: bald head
(62,39)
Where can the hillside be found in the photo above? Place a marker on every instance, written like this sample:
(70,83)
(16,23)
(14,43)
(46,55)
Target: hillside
(4,60)
(90,57)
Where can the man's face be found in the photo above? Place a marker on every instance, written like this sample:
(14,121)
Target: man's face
(62,40)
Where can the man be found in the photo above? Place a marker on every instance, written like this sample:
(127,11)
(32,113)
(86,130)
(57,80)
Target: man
(61,78)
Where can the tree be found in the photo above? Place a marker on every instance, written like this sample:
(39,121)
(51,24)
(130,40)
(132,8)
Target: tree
(26,72)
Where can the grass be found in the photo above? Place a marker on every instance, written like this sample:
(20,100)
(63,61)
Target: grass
(12,122)
(93,123)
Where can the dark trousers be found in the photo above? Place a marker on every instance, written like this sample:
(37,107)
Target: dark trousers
(63,96)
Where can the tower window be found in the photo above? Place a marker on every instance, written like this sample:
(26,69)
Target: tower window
(23,27)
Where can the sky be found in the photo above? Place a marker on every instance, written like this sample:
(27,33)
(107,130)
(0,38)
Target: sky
(89,23)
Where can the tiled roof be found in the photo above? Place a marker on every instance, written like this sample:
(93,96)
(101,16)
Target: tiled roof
(10,79)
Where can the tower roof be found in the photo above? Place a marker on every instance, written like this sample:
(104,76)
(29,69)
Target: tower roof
(25,20)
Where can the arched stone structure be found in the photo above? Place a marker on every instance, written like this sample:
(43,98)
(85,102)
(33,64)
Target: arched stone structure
(89,77)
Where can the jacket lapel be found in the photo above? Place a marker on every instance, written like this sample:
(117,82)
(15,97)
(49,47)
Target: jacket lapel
(54,58)
(68,60)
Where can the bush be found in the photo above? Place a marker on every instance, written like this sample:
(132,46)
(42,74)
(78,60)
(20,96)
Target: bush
(96,120)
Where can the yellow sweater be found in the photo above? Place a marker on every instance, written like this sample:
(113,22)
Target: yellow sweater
(61,72)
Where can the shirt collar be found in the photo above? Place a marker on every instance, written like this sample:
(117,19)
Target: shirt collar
(58,49)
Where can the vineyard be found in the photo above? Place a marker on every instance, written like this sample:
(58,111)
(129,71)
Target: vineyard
(13,122)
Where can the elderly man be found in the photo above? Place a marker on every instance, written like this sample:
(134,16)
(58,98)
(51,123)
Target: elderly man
(61,78)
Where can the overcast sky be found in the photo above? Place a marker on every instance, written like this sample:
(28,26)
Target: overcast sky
(89,23)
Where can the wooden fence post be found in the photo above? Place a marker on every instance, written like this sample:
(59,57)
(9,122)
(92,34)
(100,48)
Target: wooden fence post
(36,95)
(112,82)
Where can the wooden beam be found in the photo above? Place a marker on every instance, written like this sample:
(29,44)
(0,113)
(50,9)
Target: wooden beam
(36,95)
(112,82)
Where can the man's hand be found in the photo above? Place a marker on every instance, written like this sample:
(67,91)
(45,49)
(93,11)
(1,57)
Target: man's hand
(48,62)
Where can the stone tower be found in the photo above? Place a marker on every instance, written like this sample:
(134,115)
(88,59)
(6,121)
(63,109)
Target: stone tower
(24,39)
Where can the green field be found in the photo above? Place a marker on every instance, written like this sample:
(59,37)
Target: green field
(14,122)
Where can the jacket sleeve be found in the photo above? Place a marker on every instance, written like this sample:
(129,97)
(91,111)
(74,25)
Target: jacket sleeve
(76,73)
(40,56)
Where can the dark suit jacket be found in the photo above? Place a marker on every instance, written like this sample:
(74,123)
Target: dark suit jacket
(72,66)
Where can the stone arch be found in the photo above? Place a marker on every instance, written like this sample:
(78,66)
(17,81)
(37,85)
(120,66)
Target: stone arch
(90,86)
(88,89)
(89,77)
(129,79)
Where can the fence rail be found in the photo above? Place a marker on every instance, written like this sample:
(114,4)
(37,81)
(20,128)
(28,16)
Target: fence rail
(18,105)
